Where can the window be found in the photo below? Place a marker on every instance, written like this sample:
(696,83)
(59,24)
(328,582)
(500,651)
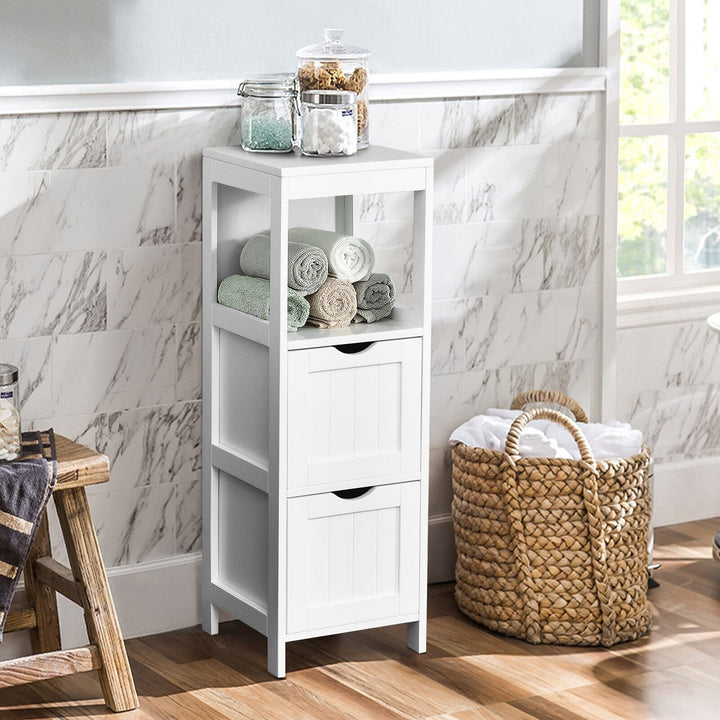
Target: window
(668,222)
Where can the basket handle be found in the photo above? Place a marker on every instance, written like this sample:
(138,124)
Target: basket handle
(513,437)
(552,397)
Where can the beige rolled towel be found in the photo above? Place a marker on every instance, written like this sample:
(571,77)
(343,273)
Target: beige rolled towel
(334,305)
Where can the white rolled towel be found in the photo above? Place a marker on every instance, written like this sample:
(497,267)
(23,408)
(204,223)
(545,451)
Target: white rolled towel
(349,258)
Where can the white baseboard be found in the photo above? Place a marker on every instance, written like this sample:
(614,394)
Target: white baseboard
(150,598)
(164,595)
(686,491)
(441,549)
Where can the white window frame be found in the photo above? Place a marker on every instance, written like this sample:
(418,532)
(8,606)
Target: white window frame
(674,295)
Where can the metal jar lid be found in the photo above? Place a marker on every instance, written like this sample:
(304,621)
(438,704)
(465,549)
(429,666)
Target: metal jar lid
(329,97)
(8,374)
(275,85)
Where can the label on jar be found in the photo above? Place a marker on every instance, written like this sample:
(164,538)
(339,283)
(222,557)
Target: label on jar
(7,394)
(9,428)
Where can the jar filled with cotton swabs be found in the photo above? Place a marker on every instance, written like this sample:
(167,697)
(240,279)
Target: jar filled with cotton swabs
(10,447)
(328,123)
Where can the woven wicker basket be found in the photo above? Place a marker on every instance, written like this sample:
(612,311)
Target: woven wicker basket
(552,550)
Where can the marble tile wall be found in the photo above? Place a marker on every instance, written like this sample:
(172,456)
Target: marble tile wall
(517,261)
(100,287)
(668,385)
(100,280)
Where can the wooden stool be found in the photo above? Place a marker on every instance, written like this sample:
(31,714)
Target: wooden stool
(85,583)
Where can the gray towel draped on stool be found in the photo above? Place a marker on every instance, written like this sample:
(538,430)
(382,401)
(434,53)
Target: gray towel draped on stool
(25,488)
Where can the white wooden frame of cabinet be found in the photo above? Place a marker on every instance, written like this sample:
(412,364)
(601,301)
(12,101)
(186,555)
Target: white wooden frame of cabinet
(283,178)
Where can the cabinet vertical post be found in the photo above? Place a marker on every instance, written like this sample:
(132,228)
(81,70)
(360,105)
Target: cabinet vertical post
(277,430)
(210,381)
(422,305)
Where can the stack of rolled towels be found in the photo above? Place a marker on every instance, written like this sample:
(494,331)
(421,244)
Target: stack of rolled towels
(330,280)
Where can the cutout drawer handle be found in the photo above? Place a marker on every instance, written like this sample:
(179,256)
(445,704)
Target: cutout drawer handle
(352,493)
(353,348)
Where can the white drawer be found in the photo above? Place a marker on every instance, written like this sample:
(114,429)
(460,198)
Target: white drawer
(354,416)
(353,560)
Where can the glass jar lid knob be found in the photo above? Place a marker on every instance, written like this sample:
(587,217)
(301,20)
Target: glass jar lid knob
(333,36)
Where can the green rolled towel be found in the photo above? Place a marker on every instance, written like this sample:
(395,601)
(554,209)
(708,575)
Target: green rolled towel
(307,265)
(375,298)
(251,295)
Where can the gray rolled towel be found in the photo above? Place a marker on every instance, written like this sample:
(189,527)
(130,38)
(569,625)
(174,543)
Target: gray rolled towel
(251,295)
(349,258)
(375,298)
(307,264)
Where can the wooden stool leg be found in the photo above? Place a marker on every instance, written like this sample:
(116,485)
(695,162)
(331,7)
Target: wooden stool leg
(102,624)
(45,637)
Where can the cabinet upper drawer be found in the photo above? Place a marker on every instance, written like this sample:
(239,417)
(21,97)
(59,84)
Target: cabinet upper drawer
(354,415)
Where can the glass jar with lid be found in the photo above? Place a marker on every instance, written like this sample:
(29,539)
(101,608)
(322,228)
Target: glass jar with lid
(334,66)
(267,114)
(10,447)
(328,122)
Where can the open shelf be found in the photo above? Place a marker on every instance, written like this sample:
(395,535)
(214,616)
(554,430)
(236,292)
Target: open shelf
(257,330)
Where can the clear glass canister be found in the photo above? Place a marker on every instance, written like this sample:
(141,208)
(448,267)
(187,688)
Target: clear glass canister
(10,448)
(267,114)
(334,66)
(328,122)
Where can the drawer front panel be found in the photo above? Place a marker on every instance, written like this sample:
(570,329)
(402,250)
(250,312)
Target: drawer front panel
(354,416)
(351,560)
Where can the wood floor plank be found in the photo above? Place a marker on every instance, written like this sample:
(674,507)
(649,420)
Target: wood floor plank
(468,673)
(354,704)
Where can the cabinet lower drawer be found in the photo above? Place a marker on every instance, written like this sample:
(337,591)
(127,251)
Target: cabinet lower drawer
(354,416)
(353,559)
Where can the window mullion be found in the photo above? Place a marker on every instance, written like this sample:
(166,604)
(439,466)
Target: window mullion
(676,141)
(678,168)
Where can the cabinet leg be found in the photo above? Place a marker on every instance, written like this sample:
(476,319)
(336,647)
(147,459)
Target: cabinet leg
(276,657)
(417,636)
(210,623)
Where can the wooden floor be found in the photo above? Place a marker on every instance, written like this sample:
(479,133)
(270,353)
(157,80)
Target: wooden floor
(467,674)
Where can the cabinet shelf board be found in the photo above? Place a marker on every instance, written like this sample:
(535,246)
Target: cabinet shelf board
(240,466)
(387,329)
(258,331)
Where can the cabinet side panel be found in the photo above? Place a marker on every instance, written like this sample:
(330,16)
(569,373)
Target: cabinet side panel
(242,520)
(241,215)
(243,397)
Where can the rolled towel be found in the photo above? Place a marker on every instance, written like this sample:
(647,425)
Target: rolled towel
(375,298)
(349,258)
(333,305)
(251,295)
(307,264)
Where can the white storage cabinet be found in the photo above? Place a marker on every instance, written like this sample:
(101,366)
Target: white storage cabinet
(315,443)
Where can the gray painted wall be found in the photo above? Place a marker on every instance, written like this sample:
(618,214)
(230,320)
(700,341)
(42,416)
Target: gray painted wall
(76,41)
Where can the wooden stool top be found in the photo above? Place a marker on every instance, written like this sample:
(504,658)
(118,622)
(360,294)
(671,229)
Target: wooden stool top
(77,465)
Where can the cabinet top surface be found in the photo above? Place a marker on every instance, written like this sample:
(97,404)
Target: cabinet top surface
(293,163)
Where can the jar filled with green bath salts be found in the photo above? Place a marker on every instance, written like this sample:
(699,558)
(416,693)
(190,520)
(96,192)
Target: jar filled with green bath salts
(267,114)
(10,447)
